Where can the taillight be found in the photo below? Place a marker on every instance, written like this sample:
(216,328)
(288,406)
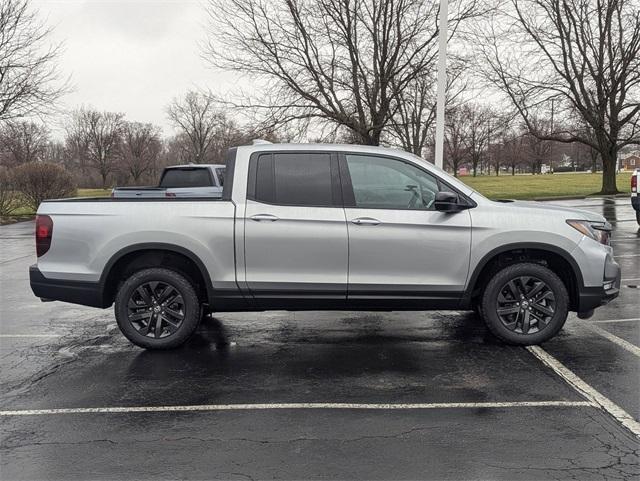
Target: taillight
(44,231)
(634,183)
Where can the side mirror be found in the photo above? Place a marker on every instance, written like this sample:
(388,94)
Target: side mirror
(448,202)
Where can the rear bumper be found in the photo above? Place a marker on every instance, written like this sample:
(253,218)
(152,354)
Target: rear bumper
(635,202)
(591,297)
(75,292)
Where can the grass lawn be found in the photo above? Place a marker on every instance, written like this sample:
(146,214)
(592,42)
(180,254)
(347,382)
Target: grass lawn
(541,186)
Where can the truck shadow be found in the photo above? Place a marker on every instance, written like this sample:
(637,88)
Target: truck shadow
(356,364)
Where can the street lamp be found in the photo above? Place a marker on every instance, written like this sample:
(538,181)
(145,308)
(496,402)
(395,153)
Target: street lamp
(442,81)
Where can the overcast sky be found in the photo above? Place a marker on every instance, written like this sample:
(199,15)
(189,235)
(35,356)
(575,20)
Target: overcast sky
(131,56)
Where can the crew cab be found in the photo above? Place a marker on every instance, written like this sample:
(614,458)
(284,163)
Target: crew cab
(200,180)
(319,227)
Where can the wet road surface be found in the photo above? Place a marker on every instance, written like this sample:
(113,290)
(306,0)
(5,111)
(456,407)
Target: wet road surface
(230,404)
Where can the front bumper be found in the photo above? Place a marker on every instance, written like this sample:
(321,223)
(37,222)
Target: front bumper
(75,292)
(591,297)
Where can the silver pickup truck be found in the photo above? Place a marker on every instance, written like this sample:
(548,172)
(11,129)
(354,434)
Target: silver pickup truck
(201,180)
(319,227)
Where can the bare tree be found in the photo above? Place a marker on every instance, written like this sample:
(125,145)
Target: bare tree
(97,136)
(29,80)
(480,125)
(8,196)
(455,142)
(513,149)
(571,55)
(412,126)
(141,146)
(37,181)
(197,117)
(23,141)
(342,62)
(538,147)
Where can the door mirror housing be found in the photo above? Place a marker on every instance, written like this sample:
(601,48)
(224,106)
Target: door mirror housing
(449,202)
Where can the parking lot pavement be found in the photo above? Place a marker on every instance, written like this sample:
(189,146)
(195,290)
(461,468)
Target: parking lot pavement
(399,395)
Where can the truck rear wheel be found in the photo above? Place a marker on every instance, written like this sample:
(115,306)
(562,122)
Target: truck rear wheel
(157,308)
(525,304)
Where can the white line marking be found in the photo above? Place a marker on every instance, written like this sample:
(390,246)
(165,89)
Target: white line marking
(630,279)
(627,255)
(586,390)
(30,335)
(259,407)
(618,320)
(632,348)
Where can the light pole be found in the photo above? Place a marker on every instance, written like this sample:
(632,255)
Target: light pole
(442,81)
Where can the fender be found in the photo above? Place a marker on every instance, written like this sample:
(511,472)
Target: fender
(157,246)
(522,245)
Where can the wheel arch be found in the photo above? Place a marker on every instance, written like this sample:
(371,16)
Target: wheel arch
(557,259)
(155,254)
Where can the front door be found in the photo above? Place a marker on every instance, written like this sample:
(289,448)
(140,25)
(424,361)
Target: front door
(295,230)
(400,247)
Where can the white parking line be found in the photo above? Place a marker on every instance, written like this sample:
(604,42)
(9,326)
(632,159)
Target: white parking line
(619,320)
(30,335)
(260,407)
(630,279)
(586,390)
(626,255)
(632,348)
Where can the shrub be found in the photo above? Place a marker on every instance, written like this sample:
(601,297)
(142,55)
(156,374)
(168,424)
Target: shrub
(37,181)
(8,195)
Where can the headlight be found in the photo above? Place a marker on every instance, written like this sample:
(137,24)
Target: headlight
(598,231)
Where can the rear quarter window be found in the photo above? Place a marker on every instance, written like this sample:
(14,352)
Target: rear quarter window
(190,177)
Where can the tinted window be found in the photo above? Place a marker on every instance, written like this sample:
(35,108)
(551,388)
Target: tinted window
(190,177)
(383,183)
(220,174)
(294,179)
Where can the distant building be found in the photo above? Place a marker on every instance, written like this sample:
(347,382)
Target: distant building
(630,160)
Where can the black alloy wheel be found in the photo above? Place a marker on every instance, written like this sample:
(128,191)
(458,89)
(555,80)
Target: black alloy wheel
(526,305)
(156,309)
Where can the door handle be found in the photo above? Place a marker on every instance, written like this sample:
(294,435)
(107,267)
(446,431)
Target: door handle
(365,221)
(261,217)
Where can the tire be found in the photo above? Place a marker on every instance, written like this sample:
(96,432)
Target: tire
(157,308)
(521,321)
(638,217)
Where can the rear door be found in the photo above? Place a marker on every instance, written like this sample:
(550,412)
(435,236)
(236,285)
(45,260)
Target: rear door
(295,230)
(400,247)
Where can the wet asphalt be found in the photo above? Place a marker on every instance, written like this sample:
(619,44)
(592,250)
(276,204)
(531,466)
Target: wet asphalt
(55,355)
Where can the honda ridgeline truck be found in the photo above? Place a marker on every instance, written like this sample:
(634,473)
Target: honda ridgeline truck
(325,227)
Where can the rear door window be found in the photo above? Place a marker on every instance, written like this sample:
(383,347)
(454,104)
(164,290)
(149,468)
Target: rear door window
(186,177)
(296,178)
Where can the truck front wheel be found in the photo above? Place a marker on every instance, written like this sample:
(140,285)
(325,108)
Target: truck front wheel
(157,308)
(525,304)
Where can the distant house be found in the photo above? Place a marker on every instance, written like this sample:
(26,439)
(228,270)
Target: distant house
(630,161)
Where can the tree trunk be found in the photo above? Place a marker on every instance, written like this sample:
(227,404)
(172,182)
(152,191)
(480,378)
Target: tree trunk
(609,160)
